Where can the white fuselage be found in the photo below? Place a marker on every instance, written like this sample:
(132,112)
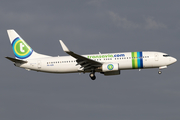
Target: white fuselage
(126,60)
(107,64)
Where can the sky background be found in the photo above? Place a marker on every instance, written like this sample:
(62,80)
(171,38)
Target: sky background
(90,27)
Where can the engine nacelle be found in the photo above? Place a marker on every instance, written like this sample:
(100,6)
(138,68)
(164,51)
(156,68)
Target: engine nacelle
(110,69)
(107,67)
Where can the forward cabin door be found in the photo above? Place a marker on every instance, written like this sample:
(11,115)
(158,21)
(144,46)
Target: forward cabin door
(156,57)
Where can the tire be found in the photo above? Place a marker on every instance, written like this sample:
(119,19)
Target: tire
(159,72)
(92,76)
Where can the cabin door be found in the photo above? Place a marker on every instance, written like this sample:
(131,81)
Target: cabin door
(39,64)
(156,57)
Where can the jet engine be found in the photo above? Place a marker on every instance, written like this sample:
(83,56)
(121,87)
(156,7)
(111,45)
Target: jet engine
(110,69)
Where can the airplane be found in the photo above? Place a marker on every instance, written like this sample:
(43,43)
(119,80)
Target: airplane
(107,63)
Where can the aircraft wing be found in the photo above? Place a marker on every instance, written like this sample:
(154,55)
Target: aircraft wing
(16,60)
(85,63)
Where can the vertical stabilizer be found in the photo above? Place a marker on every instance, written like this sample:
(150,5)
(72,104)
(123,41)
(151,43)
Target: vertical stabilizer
(20,48)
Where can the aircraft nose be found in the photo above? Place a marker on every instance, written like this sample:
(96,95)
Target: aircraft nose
(173,60)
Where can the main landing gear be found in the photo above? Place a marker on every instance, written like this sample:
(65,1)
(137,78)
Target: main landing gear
(92,75)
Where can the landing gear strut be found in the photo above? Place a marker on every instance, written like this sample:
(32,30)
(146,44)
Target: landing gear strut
(92,75)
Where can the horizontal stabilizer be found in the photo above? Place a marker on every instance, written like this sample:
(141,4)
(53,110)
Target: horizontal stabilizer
(16,60)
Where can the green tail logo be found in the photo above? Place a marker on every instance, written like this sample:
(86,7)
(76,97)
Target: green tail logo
(21,49)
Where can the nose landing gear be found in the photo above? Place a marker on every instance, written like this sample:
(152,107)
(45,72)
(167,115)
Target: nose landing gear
(163,67)
(159,72)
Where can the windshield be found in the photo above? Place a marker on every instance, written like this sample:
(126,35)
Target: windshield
(166,55)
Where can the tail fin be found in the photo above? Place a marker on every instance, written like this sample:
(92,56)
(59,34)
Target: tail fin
(20,48)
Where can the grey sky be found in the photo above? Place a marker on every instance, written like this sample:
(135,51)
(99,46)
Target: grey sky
(86,27)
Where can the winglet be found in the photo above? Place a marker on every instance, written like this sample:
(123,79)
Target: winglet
(64,46)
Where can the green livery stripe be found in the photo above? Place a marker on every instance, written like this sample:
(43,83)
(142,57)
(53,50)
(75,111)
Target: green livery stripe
(137,60)
(133,60)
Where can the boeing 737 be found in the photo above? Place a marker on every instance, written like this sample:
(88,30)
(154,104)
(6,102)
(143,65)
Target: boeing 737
(107,63)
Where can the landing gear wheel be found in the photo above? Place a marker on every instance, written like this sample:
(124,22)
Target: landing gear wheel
(159,72)
(92,76)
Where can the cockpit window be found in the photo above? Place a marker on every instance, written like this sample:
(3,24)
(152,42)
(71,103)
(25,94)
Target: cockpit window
(166,55)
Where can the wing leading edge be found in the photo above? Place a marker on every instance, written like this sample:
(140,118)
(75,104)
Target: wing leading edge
(86,63)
